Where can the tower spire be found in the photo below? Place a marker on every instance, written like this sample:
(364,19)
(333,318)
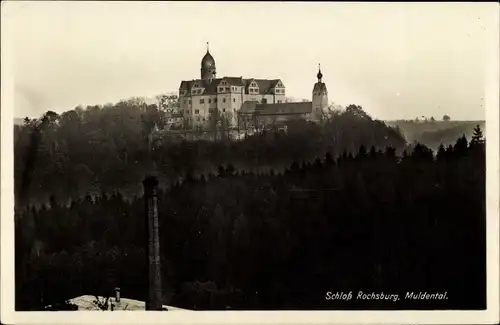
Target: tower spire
(208,46)
(319,75)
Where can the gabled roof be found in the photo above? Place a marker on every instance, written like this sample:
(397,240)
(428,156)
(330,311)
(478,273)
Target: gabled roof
(234,81)
(265,85)
(250,107)
(186,84)
(284,108)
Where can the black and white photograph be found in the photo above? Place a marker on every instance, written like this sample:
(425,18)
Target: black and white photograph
(190,156)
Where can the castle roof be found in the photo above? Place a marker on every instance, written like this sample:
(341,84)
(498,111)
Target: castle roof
(250,107)
(265,85)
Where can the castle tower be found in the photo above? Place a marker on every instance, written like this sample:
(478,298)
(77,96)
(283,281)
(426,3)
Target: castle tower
(319,97)
(207,67)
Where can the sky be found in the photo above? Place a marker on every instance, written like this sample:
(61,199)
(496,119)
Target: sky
(396,60)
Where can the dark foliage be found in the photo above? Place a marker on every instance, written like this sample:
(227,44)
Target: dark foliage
(106,149)
(347,212)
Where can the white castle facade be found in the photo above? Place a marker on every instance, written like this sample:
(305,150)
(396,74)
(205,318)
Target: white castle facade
(234,98)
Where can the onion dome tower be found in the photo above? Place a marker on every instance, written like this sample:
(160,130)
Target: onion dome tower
(319,96)
(208,66)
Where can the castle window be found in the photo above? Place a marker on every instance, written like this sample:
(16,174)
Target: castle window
(190,102)
(234,100)
(223,110)
(209,100)
(215,100)
(227,88)
(264,101)
(197,111)
(221,88)
(223,100)
(202,101)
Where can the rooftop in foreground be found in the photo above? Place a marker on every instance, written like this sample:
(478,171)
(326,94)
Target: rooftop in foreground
(87,302)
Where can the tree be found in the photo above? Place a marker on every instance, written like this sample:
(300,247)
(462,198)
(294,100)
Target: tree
(446,118)
(226,123)
(186,124)
(168,103)
(477,137)
(243,123)
(255,233)
(357,111)
(214,122)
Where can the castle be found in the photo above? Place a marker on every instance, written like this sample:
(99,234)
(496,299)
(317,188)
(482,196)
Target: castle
(238,99)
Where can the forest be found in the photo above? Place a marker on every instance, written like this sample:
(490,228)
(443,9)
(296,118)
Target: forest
(274,221)
(433,133)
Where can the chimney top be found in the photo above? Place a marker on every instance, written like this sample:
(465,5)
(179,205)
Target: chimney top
(117,294)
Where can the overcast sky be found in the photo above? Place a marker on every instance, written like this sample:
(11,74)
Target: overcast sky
(396,60)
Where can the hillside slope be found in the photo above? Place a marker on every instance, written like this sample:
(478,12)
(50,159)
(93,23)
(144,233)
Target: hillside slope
(432,134)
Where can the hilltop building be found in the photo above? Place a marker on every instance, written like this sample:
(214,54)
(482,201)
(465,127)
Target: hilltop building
(236,98)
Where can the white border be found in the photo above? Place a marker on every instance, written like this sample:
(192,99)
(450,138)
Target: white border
(489,316)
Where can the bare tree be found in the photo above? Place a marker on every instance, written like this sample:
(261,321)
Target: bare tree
(198,130)
(186,125)
(258,123)
(272,122)
(168,103)
(226,123)
(244,123)
(214,122)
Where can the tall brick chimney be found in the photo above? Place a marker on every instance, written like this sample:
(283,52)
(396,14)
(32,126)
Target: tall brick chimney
(154,300)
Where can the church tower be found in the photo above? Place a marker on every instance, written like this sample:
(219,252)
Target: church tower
(207,67)
(319,97)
